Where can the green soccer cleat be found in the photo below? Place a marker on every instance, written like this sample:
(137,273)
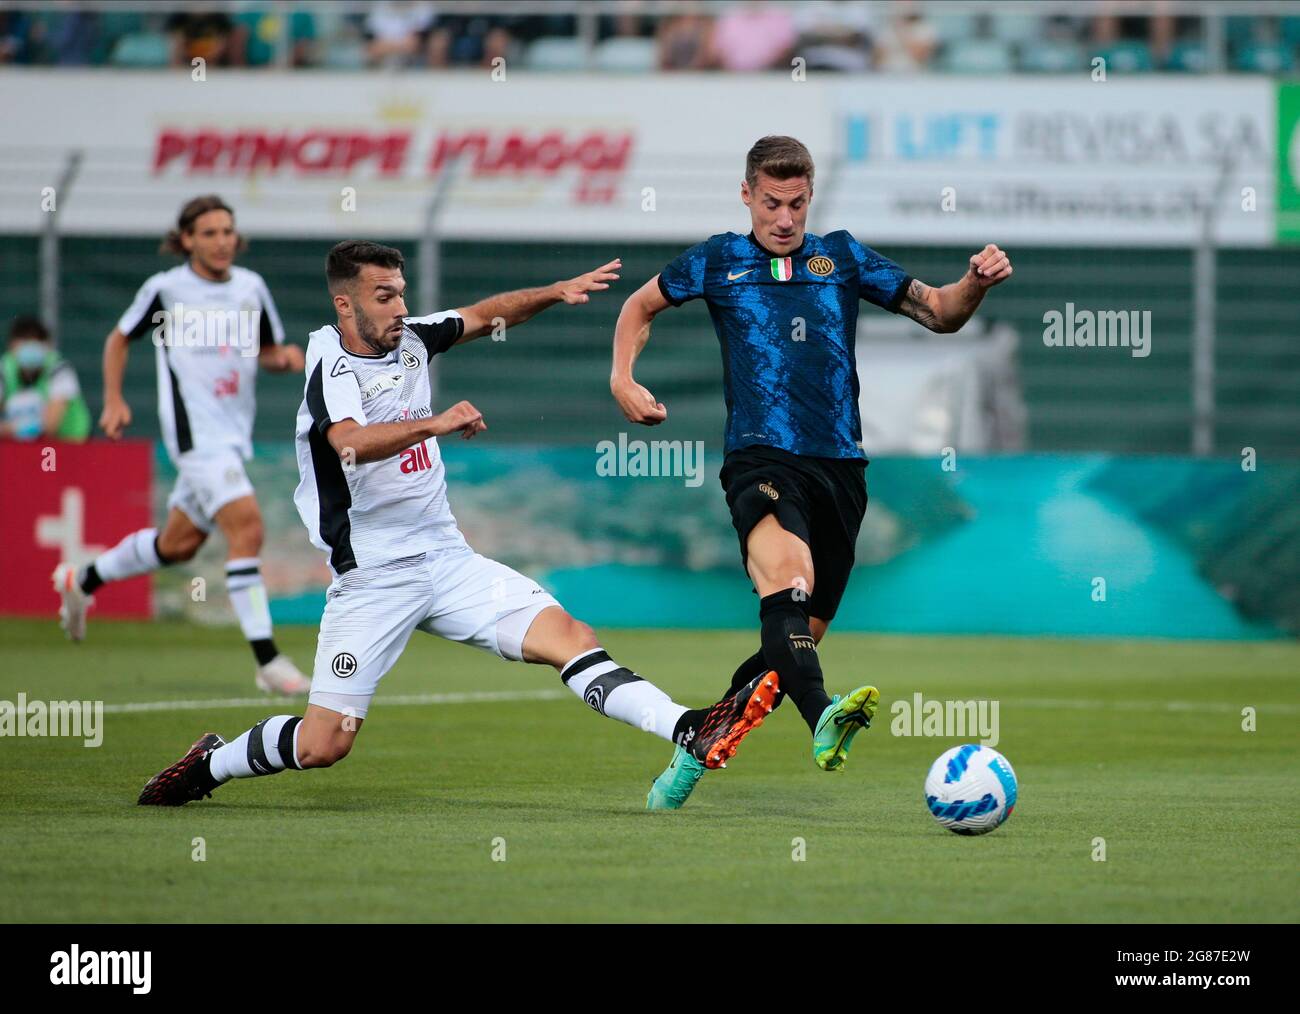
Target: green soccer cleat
(672,788)
(839,723)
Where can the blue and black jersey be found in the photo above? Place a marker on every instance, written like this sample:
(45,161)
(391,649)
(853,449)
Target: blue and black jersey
(787,327)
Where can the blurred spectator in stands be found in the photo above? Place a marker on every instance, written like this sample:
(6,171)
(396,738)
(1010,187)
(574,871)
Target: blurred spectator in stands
(684,41)
(39,393)
(752,36)
(258,30)
(74,36)
(628,23)
(24,38)
(834,35)
(905,41)
(397,32)
(204,35)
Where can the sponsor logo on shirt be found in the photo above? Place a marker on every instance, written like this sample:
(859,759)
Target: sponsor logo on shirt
(415,459)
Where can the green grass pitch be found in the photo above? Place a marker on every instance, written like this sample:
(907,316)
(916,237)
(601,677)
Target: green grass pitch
(1137,743)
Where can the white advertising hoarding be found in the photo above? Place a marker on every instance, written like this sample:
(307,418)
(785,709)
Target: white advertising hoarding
(927,160)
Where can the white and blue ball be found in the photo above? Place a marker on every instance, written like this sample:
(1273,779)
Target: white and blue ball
(971,789)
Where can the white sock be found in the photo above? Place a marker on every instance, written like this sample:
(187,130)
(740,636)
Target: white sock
(616,692)
(248,596)
(274,747)
(132,556)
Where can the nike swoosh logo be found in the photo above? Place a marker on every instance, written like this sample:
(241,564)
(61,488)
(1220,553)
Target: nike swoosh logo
(732,278)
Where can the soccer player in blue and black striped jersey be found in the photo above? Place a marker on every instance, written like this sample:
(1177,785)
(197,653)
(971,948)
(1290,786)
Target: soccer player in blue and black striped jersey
(784,304)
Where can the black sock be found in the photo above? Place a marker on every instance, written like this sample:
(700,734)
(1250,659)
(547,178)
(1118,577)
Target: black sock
(684,730)
(749,670)
(789,648)
(265,650)
(91,582)
(203,773)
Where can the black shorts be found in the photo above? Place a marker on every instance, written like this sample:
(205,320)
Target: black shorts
(821,500)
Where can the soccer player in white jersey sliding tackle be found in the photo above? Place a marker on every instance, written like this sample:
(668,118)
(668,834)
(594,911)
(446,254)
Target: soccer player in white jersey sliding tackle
(212,325)
(373,495)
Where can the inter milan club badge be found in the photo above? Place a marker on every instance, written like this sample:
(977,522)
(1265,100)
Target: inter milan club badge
(782,268)
(821,266)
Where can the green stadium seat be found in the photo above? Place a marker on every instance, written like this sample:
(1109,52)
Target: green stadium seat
(141,49)
(1189,57)
(1263,58)
(1026,28)
(1127,57)
(626,55)
(1049,56)
(347,54)
(556,53)
(1239,30)
(953,27)
(976,56)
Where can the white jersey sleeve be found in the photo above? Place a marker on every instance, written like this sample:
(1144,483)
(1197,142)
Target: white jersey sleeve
(272,328)
(139,317)
(438,331)
(333,393)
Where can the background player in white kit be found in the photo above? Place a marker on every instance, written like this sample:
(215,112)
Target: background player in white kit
(212,325)
(373,495)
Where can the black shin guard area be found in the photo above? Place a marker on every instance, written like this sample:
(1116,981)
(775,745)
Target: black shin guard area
(599,689)
(789,648)
(91,582)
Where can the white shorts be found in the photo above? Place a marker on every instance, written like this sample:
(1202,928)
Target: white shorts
(207,481)
(370,615)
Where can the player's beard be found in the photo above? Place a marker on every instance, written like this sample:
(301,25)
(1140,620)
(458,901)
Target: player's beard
(373,338)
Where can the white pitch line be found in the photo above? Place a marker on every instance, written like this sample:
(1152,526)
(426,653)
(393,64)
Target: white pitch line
(1193,706)
(468,697)
(507,696)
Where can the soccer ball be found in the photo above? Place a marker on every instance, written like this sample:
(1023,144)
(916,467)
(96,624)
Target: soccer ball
(970,789)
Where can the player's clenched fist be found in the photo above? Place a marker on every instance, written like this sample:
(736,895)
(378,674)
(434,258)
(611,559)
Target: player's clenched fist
(638,404)
(462,417)
(115,418)
(990,266)
(575,289)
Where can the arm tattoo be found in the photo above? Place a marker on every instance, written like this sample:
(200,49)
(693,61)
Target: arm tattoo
(914,305)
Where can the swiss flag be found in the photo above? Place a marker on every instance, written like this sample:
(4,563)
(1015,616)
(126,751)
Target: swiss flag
(71,501)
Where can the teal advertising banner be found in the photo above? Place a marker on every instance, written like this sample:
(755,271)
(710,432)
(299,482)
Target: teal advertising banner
(1068,545)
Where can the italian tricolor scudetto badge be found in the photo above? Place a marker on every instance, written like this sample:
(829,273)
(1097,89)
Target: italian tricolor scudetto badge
(782,268)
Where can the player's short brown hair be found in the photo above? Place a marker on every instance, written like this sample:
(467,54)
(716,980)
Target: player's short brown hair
(194,209)
(780,157)
(346,259)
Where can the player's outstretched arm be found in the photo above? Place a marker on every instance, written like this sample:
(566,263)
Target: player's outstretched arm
(285,358)
(630,336)
(509,308)
(377,441)
(947,308)
(117,413)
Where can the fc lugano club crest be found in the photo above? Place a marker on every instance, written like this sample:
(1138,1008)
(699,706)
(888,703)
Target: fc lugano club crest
(344,665)
(409,359)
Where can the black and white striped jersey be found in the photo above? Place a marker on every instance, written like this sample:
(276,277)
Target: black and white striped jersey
(206,337)
(374,512)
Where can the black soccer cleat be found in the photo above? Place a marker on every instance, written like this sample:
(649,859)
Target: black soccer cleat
(732,719)
(185,780)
